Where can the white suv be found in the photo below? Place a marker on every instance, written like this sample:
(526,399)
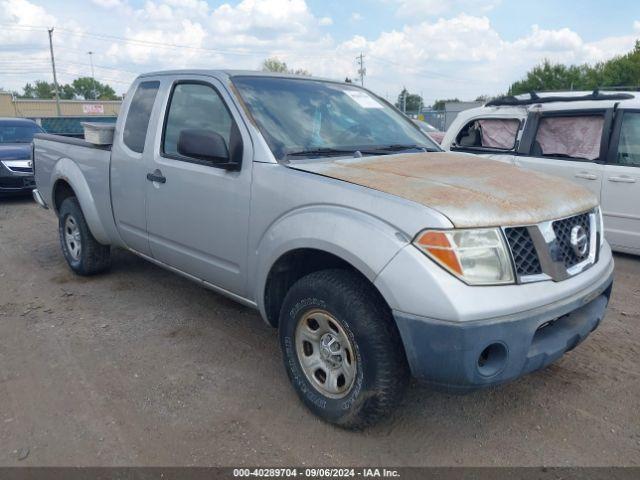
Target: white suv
(590,138)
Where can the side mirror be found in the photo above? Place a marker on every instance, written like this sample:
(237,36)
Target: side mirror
(205,145)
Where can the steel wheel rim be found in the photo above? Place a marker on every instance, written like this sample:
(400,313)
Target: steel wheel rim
(72,238)
(326,353)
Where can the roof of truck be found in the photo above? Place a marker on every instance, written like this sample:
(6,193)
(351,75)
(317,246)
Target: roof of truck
(233,73)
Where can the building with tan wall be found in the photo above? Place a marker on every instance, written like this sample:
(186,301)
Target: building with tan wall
(11,106)
(73,112)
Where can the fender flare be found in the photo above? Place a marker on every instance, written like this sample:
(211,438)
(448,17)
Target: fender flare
(362,240)
(66,169)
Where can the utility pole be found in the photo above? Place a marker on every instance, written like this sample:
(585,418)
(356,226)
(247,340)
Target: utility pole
(55,78)
(361,71)
(404,100)
(93,75)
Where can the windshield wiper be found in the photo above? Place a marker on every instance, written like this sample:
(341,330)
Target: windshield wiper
(397,147)
(374,150)
(320,152)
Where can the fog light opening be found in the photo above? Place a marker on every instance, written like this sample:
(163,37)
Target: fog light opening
(492,359)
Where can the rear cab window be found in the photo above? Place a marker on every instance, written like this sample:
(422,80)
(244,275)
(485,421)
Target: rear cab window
(575,137)
(137,123)
(489,134)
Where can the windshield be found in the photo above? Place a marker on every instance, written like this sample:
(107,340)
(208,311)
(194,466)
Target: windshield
(313,118)
(18,133)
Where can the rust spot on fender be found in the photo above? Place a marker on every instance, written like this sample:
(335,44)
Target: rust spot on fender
(469,190)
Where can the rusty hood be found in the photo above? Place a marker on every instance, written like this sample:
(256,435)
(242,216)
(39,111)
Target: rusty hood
(471,191)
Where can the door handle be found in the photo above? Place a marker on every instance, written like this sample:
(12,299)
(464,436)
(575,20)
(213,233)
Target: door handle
(156,176)
(622,179)
(586,176)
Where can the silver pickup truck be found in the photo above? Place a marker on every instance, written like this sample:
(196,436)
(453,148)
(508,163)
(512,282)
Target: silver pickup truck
(376,255)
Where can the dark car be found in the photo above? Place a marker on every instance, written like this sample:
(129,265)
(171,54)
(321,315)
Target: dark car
(16,163)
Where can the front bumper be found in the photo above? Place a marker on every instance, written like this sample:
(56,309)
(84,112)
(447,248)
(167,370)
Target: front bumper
(464,356)
(15,182)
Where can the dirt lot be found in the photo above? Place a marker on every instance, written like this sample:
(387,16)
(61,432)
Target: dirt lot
(142,367)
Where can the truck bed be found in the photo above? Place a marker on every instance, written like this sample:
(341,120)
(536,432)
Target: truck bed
(86,166)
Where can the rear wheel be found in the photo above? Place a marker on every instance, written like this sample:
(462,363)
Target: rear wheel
(341,349)
(84,254)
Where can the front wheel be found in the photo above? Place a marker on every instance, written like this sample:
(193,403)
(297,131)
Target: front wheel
(84,254)
(341,349)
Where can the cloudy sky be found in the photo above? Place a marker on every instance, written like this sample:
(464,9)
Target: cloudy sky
(454,48)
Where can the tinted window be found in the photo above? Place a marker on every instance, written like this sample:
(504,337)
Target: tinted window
(297,115)
(629,144)
(489,133)
(18,133)
(195,106)
(135,128)
(576,136)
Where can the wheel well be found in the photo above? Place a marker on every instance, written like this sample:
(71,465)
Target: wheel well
(290,268)
(61,191)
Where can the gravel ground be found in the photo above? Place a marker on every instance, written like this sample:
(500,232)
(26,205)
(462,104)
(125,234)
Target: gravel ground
(142,367)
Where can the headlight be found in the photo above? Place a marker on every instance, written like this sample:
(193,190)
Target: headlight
(477,257)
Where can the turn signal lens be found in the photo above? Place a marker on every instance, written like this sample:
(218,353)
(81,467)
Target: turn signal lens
(437,245)
(478,257)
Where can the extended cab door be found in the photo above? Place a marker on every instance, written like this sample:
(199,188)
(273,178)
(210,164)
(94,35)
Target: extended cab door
(198,213)
(129,157)
(621,184)
(570,144)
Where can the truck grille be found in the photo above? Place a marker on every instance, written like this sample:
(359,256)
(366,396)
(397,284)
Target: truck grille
(523,251)
(562,229)
(545,251)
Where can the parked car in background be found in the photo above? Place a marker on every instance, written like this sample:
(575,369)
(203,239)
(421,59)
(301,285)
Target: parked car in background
(592,139)
(435,134)
(16,162)
(374,253)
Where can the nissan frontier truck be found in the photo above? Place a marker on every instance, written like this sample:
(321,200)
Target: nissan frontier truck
(376,255)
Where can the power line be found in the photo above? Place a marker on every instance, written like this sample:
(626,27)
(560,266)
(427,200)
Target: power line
(361,71)
(141,42)
(53,66)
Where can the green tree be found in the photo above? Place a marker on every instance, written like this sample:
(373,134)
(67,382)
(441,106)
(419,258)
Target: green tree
(67,92)
(413,101)
(89,89)
(548,76)
(276,65)
(46,90)
(40,89)
(81,87)
(620,71)
(439,104)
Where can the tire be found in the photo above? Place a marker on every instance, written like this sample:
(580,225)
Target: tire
(81,250)
(367,339)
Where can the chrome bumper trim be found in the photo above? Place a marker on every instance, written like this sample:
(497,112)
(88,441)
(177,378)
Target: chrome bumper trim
(38,198)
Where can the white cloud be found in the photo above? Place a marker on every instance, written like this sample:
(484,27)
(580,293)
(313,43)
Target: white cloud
(239,35)
(23,15)
(421,9)
(461,55)
(108,3)
(465,56)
